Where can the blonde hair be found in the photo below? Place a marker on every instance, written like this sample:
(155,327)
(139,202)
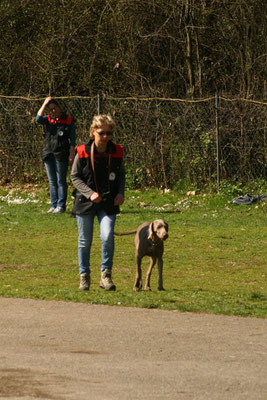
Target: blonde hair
(99,120)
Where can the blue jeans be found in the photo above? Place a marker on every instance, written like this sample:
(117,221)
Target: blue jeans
(57,176)
(85,229)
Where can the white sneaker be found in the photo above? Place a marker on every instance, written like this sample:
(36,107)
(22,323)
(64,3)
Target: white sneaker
(58,210)
(84,281)
(51,210)
(106,281)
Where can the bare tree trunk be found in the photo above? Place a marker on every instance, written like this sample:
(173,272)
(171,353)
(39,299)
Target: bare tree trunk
(199,69)
(189,46)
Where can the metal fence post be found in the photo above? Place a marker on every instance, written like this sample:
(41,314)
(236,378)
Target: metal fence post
(218,143)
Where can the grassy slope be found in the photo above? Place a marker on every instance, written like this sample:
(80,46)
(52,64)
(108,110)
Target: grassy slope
(215,260)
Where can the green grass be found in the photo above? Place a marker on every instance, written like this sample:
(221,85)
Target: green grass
(215,260)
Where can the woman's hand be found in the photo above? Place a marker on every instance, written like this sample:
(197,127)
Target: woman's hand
(47,100)
(41,111)
(119,200)
(95,198)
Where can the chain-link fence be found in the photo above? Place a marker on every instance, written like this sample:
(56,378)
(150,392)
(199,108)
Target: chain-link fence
(165,140)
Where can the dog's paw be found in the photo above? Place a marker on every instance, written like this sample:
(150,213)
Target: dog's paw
(161,288)
(136,288)
(147,288)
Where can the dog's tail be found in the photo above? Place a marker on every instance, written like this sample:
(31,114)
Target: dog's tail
(125,233)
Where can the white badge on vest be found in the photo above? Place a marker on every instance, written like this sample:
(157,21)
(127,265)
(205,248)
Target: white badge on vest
(112,176)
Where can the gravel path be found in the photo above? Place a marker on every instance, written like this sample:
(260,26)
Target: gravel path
(67,351)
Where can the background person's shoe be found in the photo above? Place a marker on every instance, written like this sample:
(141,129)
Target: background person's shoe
(51,210)
(59,210)
(84,281)
(106,281)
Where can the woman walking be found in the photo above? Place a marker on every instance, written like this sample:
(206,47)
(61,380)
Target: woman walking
(99,177)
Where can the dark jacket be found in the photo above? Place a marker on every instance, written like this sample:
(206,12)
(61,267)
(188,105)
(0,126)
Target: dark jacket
(57,137)
(110,176)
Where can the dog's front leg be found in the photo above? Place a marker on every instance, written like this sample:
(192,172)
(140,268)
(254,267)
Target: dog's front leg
(138,280)
(160,268)
(148,275)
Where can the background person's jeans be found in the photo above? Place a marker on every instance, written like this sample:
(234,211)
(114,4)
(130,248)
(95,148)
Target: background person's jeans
(85,229)
(57,176)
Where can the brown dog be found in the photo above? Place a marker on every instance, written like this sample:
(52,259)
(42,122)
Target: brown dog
(149,240)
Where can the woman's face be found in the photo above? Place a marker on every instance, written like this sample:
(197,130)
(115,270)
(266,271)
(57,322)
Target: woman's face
(54,110)
(102,135)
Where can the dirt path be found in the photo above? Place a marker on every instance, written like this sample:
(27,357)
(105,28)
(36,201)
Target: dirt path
(61,351)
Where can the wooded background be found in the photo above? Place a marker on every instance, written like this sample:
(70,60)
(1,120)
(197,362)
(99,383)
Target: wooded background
(140,57)
(166,48)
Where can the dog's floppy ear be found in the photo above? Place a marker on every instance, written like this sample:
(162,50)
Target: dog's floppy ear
(151,232)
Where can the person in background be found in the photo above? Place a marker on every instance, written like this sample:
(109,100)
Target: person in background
(58,151)
(98,174)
